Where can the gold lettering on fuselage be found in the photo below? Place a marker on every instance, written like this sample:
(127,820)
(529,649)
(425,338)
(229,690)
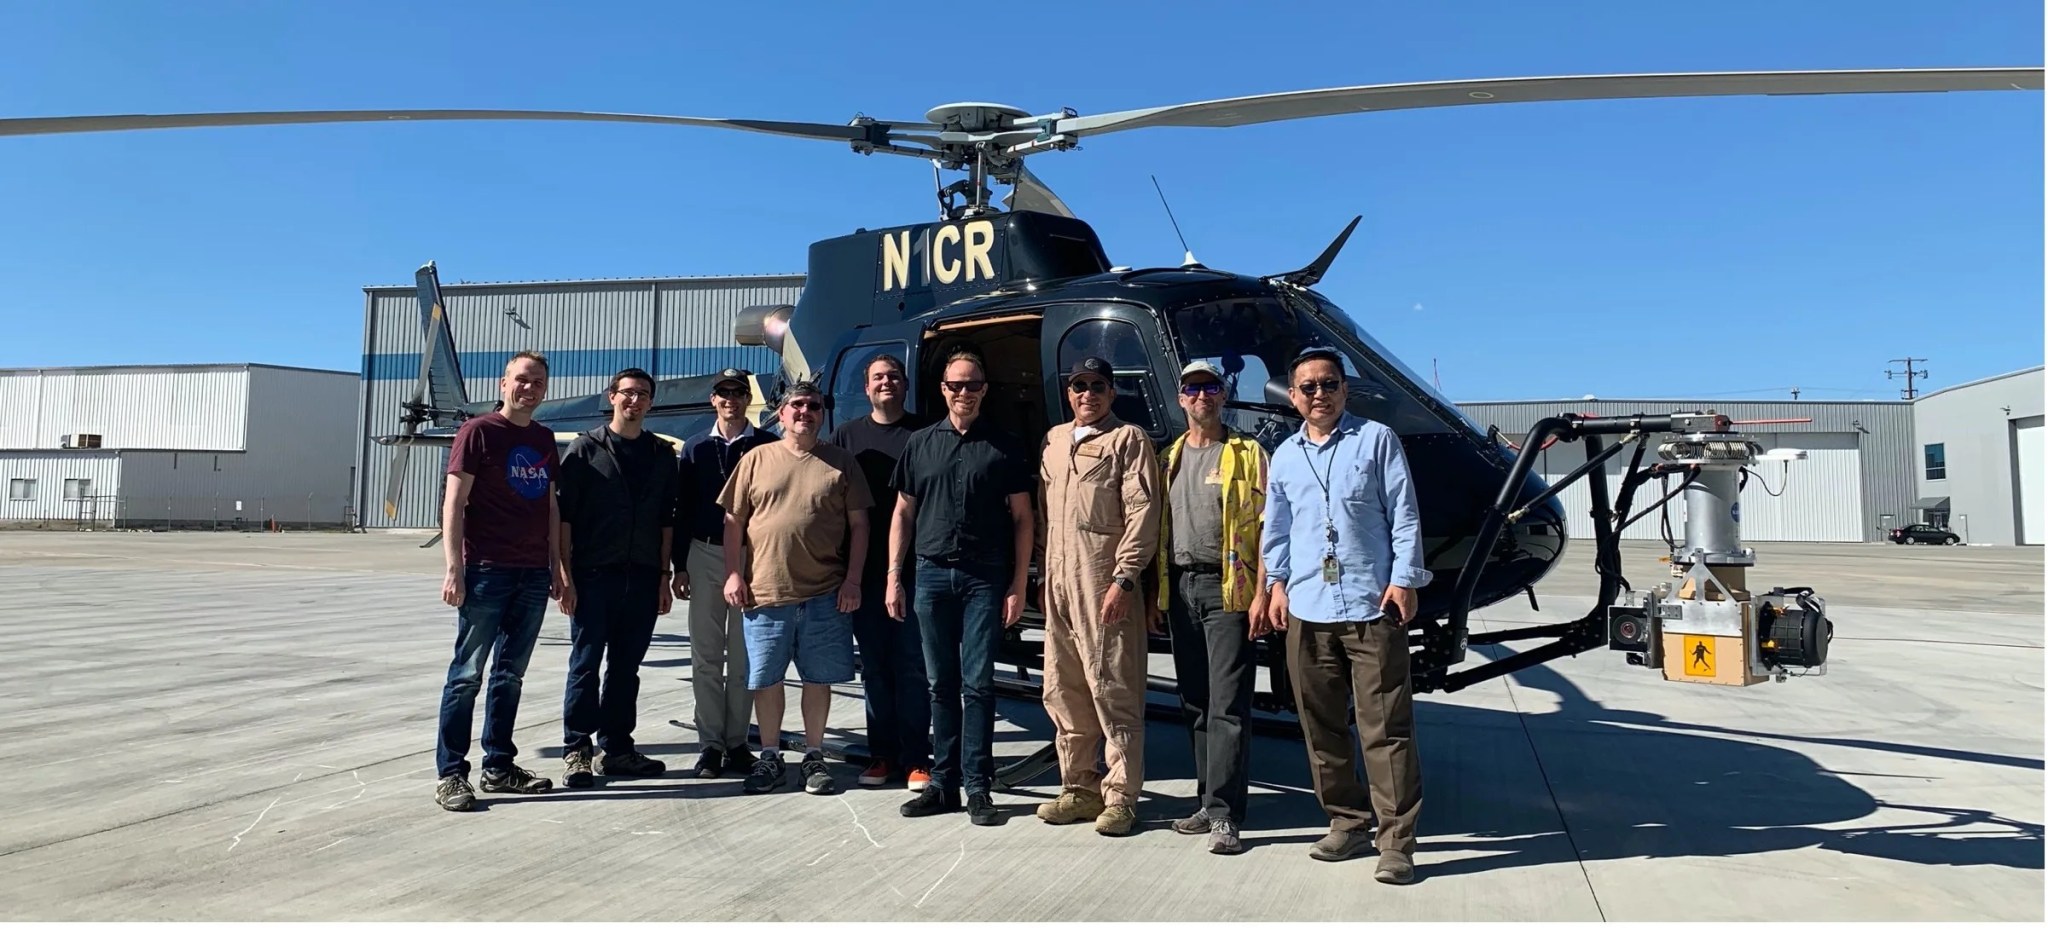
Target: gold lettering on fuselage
(956,253)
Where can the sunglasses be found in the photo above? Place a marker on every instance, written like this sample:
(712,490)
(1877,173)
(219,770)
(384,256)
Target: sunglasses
(734,393)
(1090,386)
(1204,389)
(1325,386)
(805,406)
(964,387)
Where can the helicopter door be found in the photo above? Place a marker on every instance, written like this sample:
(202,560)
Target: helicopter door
(849,379)
(1118,336)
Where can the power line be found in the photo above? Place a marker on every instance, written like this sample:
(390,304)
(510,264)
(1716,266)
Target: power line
(1910,374)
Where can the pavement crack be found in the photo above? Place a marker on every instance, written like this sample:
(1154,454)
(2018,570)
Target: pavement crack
(856,822)
(252,823)
(942,878)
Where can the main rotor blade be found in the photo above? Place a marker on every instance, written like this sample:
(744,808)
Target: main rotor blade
(1304,104)
(50,125)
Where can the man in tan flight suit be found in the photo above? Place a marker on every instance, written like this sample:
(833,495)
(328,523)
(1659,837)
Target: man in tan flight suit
(1098,480)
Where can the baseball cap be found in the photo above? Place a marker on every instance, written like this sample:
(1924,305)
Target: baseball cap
(1201,367)
(1313,353)
(732,376)
(1091,365)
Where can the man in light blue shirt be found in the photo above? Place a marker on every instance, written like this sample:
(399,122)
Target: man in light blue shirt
(1343,552)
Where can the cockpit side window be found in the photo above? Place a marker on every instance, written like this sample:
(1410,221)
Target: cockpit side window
(1119,343)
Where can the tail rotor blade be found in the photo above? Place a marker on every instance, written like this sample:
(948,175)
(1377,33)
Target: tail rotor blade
(394,484)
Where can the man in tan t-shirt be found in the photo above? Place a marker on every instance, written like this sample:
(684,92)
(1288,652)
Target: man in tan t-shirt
(791,509)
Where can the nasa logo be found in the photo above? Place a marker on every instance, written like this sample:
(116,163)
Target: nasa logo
(527,472)
(971,240)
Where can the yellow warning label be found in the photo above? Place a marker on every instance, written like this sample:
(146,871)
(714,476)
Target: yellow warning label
(1699,656)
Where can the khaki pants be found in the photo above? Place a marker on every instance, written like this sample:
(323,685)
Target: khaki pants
(718,653)
(1333,664)
(1095,691)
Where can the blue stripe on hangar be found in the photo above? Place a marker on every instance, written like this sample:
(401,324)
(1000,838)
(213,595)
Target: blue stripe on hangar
(588,362)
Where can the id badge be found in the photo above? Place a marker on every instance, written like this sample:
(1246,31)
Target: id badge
(1329,569)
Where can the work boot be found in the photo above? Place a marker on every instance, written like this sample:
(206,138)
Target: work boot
(1072,806)
(576,768)
(1339,845)
(514,780)
(1118,819)
(1394,868)
(1195,823)
(1223,838)
(629,763)
(453,794)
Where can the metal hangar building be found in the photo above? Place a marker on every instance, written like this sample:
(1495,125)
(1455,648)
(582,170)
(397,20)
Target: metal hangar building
(1979,460)
(589,330)
(203,446)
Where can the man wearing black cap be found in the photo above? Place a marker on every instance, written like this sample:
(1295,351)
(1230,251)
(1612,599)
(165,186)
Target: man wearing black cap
(1098,493)
(718,652)
(1343,550)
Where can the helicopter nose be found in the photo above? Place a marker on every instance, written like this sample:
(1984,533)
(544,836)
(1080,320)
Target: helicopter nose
(1456,483)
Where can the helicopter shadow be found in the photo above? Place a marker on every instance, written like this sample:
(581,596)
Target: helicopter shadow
(1603,784)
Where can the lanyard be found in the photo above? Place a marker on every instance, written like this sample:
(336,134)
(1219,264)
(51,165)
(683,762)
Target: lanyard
(1329,523)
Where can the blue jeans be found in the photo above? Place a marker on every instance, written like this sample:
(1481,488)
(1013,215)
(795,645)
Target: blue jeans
(960,616)
(813,632)
(615,611)
(899,697)
(500,614)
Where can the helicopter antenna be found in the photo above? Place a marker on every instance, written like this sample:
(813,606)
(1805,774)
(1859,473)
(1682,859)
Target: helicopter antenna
(1189,260)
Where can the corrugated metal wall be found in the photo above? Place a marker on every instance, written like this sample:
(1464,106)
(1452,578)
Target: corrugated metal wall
(170,407)
(1871,440)
(673,327)
(49,470)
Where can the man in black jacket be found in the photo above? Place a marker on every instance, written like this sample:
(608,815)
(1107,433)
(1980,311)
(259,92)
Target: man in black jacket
(618,492)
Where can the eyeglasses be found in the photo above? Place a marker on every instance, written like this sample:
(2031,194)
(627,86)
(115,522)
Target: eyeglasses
(1204,389)
(963,387)
(634,394)
(1090,386)
(1328,385)
(805,406)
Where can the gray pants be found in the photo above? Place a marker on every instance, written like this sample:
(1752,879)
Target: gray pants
(718,653)
(1212,659)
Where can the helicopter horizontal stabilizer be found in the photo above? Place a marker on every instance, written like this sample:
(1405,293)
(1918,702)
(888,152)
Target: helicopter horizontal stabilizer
(1313,274)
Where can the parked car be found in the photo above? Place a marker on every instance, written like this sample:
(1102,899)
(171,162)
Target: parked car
(1924,534)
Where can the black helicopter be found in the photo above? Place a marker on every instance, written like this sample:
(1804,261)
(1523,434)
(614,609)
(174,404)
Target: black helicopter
(1032,288)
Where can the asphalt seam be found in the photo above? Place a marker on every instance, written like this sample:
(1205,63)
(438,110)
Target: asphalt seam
(1564,823)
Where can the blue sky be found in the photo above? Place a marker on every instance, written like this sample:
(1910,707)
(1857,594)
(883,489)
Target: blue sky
(1546,250)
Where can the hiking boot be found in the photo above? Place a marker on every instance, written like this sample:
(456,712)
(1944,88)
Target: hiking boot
(817,775)
(933,801)
(629,763)
(453,794)
(982,811)
(710,764)
(877,774)
(1223,838)
(1339,845)
(1072,806)
(919,778)
(767,775)
(514,780)
(1196,823)
(1118,819)
(1394,868)
(576,768)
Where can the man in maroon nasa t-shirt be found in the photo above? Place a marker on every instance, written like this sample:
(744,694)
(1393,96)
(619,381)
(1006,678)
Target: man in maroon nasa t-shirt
(498,524)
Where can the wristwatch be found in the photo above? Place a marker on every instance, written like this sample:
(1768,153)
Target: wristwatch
(1124,583)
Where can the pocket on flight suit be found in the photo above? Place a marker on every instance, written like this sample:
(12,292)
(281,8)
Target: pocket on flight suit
(1098,492)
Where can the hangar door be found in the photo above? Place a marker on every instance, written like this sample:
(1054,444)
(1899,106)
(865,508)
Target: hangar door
(1819,499)
(2026,436)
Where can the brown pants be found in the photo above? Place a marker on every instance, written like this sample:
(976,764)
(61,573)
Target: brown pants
(1095,692)
(1333,664)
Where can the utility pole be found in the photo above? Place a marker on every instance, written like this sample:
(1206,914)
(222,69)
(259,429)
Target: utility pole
(1909,374)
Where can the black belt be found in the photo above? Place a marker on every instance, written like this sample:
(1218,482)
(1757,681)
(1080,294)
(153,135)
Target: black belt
(1197,569)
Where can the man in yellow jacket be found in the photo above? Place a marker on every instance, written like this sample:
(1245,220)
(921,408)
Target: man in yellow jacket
(1098,493)
(1209,581)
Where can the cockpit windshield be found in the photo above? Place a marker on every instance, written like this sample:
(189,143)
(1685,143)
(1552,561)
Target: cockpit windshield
(1253,338)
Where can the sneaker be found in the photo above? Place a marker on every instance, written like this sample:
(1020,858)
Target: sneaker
(876,774)
(982,811)
(576,768)
(1072,806)
(1223,838)
(1118,819)
(629,763)
(740,758)
(766,775)
(453,794)
(920,778)
(1196,823)
(710,764)
(817,776)
(934,800)
(1339,845)
(514,780)
(1394,868)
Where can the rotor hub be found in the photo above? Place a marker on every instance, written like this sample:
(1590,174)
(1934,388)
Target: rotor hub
(975,117)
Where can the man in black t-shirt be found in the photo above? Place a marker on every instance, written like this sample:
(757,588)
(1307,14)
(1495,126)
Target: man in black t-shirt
(891,651)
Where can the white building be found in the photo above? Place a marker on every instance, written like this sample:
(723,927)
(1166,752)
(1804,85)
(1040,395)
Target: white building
(1979,466)
(199,446)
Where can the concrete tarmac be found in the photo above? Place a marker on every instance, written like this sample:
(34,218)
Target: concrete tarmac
(241,727)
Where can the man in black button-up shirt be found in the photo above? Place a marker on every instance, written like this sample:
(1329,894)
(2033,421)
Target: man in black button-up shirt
(964,507)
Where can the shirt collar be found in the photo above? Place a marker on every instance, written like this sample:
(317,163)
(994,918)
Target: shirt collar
(745,432)
(1347,421)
